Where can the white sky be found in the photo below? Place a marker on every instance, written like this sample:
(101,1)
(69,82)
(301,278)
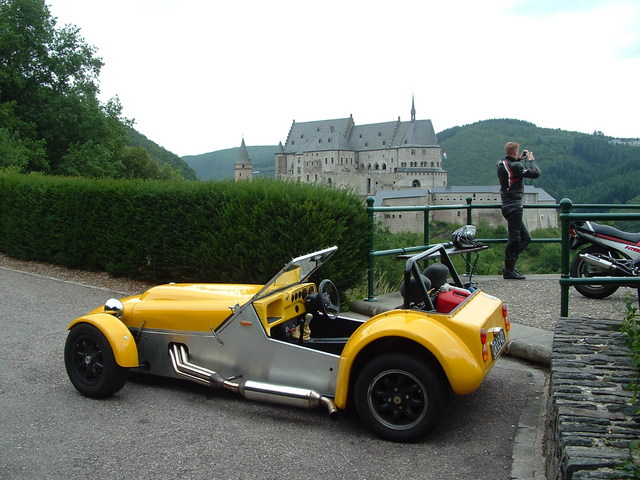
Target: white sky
(201,75)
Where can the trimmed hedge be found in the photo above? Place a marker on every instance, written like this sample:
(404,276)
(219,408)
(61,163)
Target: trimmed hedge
(161,231)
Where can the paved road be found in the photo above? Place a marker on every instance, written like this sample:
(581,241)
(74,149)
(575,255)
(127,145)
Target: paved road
(156,428)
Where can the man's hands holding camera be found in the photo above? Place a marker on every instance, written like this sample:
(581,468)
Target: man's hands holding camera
(527,155)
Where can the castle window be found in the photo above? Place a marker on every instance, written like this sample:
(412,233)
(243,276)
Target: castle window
(413,151)
(384,166)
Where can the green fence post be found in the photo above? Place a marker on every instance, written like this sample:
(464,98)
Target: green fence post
(372,227)
(425,226)
(565,209)
(469,222)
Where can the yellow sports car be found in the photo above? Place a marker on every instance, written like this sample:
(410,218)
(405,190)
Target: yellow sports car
(286,342)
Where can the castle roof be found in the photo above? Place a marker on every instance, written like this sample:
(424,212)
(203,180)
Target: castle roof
(243,154)
(344,134)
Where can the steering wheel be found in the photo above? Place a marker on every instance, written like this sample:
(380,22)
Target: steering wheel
(329,299)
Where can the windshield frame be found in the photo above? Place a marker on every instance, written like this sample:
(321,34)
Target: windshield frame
(297,271)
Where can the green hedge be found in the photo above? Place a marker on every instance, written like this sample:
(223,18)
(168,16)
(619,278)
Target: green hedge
(181,231)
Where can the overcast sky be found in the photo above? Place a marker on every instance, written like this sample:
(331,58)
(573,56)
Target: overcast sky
(201,75)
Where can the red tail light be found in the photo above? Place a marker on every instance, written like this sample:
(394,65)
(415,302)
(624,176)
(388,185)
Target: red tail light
(483,336)
(485,353)
(505,313)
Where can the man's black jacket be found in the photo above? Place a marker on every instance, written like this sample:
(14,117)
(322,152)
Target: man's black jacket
(511,173)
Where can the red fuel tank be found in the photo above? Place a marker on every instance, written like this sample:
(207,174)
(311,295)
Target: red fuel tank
(449,300)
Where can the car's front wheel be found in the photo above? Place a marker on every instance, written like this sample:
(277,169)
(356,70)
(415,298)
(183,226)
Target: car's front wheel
(400,397)
(90,362)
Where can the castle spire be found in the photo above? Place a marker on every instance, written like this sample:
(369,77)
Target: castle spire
(413,109)
(243,166)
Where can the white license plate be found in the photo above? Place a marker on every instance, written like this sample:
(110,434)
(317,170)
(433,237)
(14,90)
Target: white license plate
(498,342)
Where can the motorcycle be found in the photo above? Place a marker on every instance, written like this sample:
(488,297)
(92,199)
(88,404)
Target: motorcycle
(609,253)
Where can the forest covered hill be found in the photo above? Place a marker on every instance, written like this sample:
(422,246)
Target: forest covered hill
(221,163)
(585,168)
(160,155)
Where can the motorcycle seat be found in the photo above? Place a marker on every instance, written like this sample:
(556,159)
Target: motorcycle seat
(614,232)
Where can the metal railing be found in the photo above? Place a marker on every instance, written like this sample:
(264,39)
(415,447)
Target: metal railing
(566,281)
(564,208)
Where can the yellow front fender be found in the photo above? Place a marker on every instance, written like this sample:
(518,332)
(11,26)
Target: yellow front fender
(460,365)
(118,335)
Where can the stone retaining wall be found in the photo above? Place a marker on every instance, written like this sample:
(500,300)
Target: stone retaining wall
(590,421)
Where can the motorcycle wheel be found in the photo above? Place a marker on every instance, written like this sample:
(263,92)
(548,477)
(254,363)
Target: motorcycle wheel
(582,269)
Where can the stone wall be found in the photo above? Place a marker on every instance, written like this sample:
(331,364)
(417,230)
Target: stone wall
(590,420)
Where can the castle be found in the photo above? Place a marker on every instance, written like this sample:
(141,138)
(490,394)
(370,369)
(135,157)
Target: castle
(398,163)
(366,158)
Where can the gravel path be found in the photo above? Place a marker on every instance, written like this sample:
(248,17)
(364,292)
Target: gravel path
(533,302)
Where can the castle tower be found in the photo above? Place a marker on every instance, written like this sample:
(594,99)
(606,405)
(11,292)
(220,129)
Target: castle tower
(243,167)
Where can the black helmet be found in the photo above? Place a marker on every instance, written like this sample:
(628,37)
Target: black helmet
(464,237)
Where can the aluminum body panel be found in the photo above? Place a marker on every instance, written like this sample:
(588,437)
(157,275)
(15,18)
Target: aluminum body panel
(242,348)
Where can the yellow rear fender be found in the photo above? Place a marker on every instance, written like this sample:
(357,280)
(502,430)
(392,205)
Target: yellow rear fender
(118,335)
(462,369)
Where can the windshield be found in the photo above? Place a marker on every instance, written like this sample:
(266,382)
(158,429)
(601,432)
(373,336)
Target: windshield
(296,271)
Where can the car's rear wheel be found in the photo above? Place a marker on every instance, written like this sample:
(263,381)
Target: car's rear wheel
(90,363)
(582,269)
(399,397)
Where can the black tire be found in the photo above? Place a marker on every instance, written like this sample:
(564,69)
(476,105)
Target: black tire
(581,269)
(90,363)
(400,397)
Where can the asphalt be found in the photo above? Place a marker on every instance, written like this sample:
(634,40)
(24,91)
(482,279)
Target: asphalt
(525,343)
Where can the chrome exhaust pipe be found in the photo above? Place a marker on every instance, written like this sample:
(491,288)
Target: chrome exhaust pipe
(604,265)
(249,389)
(283,395)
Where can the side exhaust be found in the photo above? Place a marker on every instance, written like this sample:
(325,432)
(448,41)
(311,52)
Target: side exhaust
(249,389)
(605,265)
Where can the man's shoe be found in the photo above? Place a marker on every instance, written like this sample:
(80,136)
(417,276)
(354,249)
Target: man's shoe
(512,275)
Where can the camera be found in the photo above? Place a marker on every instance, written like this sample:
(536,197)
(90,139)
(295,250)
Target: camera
(524,154)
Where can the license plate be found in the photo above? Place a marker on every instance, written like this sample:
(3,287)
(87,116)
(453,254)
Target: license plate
(498,342)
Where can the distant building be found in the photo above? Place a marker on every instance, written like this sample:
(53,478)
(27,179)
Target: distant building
(399,163)
(243,167)
(534,218)
(366,158)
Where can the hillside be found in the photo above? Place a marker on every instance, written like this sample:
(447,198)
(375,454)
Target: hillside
(220,164)
(584,168)
(160,155)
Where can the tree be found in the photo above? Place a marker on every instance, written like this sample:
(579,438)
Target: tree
(50,117)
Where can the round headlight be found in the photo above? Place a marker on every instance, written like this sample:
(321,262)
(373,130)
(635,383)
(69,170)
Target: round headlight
(114,307)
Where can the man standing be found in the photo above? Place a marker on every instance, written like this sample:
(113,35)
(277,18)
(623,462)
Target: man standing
(511,173)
